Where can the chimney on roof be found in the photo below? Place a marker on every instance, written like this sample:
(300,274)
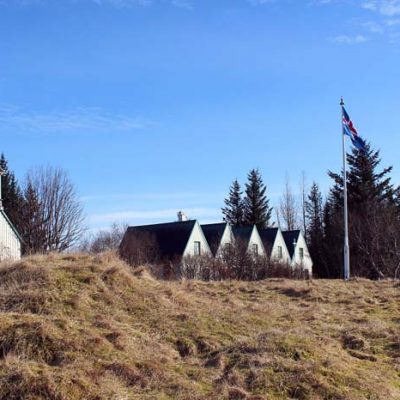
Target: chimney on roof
(1,198)
(182,216)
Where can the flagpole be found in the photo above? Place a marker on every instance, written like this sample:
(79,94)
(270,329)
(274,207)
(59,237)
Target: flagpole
(346,248)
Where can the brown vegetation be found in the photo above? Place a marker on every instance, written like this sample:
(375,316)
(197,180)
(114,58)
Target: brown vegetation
(85,327)
(235,262)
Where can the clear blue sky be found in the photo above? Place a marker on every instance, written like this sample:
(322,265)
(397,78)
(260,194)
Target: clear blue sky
(156,106)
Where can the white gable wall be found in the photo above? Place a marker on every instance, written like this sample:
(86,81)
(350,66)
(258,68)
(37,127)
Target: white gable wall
(227,238)
(306,261)
(256,239)
(10,245)
(280,241)
(197,235)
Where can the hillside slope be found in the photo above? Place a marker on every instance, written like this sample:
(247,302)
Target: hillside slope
(82,327)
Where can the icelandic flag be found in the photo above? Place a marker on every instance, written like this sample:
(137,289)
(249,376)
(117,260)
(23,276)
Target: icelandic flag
(350,130)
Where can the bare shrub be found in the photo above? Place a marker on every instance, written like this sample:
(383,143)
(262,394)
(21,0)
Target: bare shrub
(198,267)
(377,239)
(239,261)
(139,248)
(104,240)
(242,265)
(53,218)
(264,268)
(289,207)
(235,262)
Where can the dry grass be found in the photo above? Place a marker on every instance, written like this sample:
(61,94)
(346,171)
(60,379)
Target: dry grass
(83,327)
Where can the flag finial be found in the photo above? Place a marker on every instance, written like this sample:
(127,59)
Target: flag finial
(341,101)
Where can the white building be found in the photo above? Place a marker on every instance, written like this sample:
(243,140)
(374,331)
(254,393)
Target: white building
(176,240)
(275,245)
(10,241)
(218,236)
(250,236)
(298,250)
(173,239)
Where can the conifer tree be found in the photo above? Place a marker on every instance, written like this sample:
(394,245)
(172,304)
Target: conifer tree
(33,229)
(364,183)
(332,243)
(234,209)
(315,230)
(11,194)
(256,205)
(373,206)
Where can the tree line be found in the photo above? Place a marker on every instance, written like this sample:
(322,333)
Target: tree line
(47,213)
(374,216)
(374,220)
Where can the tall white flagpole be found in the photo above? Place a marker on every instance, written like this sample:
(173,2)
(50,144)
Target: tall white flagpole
(346,248)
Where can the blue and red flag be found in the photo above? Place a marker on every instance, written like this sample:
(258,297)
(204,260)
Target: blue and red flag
(350,130)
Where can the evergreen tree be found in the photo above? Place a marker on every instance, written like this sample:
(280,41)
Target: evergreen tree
(332,243)
(372,199)
(234,210)
(33,229)
(364,184)
(315,230)
(11,194)
(256,205)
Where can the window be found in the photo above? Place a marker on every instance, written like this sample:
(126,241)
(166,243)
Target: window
(255,249)
(301,252)
(197,248)
(280,254)
(228,247)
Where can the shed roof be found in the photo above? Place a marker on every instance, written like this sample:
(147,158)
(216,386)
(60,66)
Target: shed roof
(268,236)
(171,237)
(243,232)
(291,237)
(213,234)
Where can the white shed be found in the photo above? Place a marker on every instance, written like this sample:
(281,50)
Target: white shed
(250,235)
(10,241)
(173,239)
(218,236)
(298,250)
(197,244)
(275,245)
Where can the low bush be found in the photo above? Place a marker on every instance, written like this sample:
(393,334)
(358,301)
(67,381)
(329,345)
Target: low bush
(235,263)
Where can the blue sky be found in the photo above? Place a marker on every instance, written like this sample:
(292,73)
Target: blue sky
(157,105)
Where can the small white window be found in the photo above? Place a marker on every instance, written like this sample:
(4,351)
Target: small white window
(280,254)
(255,249)
(197,248)
(301,252)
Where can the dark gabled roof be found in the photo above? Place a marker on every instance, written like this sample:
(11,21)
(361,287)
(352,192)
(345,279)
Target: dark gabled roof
(268,236)
(244,232)
(171,237)
(213,234)
(11,224)
(290,237)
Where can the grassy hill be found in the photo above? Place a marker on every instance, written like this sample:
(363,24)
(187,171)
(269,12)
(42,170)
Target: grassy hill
(82,327)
